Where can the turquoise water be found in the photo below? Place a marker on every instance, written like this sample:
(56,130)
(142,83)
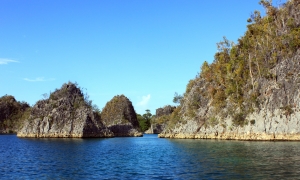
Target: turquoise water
(146,158)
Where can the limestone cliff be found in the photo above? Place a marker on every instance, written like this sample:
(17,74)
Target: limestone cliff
(155,129)
(277,116)
(12,114)
(120,117)
(64,114)
(251,90)
(158,122)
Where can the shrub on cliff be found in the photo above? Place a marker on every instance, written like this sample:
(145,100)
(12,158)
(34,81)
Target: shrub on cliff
(167,115)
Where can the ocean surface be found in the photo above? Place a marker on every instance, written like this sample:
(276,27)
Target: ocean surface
(146,157)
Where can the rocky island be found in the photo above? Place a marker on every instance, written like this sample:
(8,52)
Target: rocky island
(67,113)
(64,114)
(251,90)
(120,117)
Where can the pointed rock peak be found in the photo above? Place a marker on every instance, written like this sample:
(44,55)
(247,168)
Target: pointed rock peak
(67,90)
(120,116)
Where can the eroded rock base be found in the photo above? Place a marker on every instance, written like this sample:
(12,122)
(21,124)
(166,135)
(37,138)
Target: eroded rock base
(234,136)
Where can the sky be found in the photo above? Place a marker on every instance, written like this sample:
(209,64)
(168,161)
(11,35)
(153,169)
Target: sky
(144,49)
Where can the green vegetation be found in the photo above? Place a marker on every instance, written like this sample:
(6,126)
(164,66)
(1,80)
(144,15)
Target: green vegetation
(170,119)
(144,120)
(13,113)
(231,81)
(213,121)
(177,98)
(287,110)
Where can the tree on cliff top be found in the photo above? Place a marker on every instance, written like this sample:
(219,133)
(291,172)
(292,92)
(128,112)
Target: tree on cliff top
(177,98)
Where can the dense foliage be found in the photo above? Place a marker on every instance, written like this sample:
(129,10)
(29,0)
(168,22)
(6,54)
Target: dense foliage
(144,120)
(13,113)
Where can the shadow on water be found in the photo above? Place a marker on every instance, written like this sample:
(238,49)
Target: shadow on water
(146,157)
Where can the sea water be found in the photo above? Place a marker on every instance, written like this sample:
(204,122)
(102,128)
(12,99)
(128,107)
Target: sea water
(146,157)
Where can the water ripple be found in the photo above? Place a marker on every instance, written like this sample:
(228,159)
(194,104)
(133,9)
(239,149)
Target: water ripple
(146,158)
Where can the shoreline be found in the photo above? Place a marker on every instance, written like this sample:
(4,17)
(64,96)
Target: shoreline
(8,134)
(61,135)
(234,136)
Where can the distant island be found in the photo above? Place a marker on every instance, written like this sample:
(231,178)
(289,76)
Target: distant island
(249,92)
(68,113)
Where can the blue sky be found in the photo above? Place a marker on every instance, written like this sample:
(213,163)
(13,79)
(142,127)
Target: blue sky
(144,49)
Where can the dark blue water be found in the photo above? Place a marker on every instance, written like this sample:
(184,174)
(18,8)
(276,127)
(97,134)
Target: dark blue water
(146,158)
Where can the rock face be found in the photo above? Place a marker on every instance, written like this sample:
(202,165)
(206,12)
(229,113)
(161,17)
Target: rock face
(120,117)
(250,91)
(167,110)
(155,129)
(12,114)
(277,116)
(158,124)
(64,114)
